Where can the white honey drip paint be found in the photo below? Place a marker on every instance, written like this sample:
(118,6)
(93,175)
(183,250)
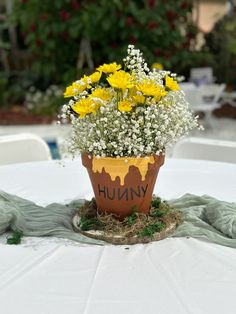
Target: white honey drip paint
(120,167)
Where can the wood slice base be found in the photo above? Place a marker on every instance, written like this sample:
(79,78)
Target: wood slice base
(136,228)
(123,240)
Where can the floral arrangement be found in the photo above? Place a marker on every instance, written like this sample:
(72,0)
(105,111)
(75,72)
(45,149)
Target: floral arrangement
(129,112)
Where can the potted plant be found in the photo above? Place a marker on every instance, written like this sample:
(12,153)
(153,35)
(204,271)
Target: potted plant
(122,121)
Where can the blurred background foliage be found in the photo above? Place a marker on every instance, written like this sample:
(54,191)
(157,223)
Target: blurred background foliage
(57,41)
(53,31)
(221,43)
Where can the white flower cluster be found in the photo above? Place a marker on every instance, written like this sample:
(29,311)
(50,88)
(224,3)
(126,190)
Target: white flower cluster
(145,130)
(36,99)
(135,62)
(138,66)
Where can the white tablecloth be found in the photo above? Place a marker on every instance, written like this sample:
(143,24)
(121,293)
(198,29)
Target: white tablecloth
(176,275)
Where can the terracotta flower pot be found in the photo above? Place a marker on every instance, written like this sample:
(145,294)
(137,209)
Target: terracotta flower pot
(121,185)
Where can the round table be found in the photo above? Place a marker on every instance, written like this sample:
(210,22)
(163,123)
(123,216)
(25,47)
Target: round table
(175,275)
(61,181)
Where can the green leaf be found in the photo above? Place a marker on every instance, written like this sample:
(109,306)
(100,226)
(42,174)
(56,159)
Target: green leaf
(15,238)
(89,224)
(156,201)
(129,220)
(150,230)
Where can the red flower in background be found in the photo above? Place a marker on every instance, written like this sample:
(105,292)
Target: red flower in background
(129,21)
(64,15)
(190,35)
(75,5)
(184,5)
(152,25)
(171,15)
(151,3)
(114,45)
(186,44)
(33,27)
(39,42)
(157,52)
(132,39)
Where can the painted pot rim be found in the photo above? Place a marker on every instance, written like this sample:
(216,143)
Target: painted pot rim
(124,159)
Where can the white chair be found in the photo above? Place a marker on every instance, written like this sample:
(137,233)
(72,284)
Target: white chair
(201,75)
(203,97)
(23,148)
(206,99)
(186,86)
(191,92)
(206,149)
(211,93)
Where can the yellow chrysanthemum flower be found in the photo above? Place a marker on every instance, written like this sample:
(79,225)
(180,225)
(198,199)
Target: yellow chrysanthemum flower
(125,105)
(136,96)
(160,92)
(171,84)
(138,99)
(85,80)
(149,88)
(101,93)
(70,92)
(109,68)
(85,106)
(95,77)
(77,87)
(121,80)
(157,66)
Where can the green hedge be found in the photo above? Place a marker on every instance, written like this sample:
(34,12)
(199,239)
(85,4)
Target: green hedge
(53,30)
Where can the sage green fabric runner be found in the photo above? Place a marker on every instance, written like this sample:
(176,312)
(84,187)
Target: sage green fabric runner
(53,220)
(207,217)
(203,216)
